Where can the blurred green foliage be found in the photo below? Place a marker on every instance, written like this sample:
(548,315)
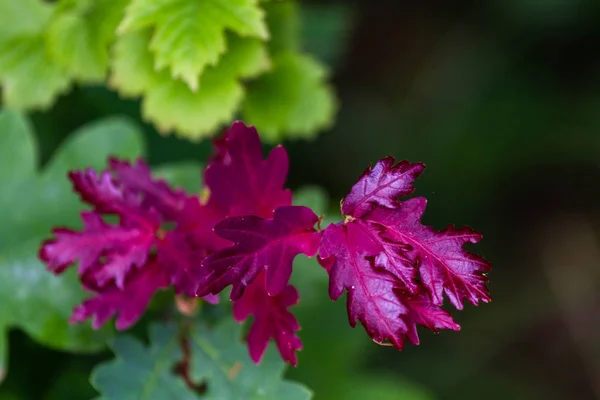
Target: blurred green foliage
(189,60)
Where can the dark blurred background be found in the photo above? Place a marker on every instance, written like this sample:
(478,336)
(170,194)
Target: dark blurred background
(501,100)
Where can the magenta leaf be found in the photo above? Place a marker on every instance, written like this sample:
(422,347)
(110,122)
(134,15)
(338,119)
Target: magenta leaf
(394,269)
(110,251)
(376,298)
(157,194)
(272,320)
(240,181)
(444,265)
(381,184)
(260,244)
(128,303)
(102,192)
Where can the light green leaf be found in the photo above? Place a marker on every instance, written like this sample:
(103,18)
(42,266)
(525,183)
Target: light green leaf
(189,34)
(23,17)
(132,73)
(31,297)
(80,34)
(292,100)
(170,104)
(28,76)
(143,373)
(219,356)
(283,20)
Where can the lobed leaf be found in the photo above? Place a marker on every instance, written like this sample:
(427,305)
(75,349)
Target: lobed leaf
(189,35)
(381,185)
(143,373)
(272,320)
(24,57)
(219,357)
(394,269)
(80,34)
(291,100)
(241,182)
(33,299)
(259,244)
(170,104)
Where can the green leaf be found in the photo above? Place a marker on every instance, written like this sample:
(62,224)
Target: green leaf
(80,34)
(143,373)
(189,34)
(283,20)
(186,175)
(219,356)
(27,74)
(314,197)
(23,17)
(132,73)
(170,103)
(292,100)
(17,151)
(31,297)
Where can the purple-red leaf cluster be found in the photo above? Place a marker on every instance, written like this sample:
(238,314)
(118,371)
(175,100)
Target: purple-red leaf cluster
(394,269)
(141,235)
(245,234)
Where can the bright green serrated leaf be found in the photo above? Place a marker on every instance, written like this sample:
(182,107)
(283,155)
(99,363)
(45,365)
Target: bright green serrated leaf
(23,17)
(132,73)
(28,76)
(190,34)
(80,34)
(219,356)
(143,373)
(293,100)
(31,297)
(169,103)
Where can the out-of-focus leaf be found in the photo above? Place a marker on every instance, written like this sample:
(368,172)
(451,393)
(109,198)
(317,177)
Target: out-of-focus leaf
(292,100)
(28,76)
(140,372)
(33,203)
(219,357)
(80,34)
(23,17)
(171,104)
(186,175)
(283,20)
(313,197)
(189,34)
